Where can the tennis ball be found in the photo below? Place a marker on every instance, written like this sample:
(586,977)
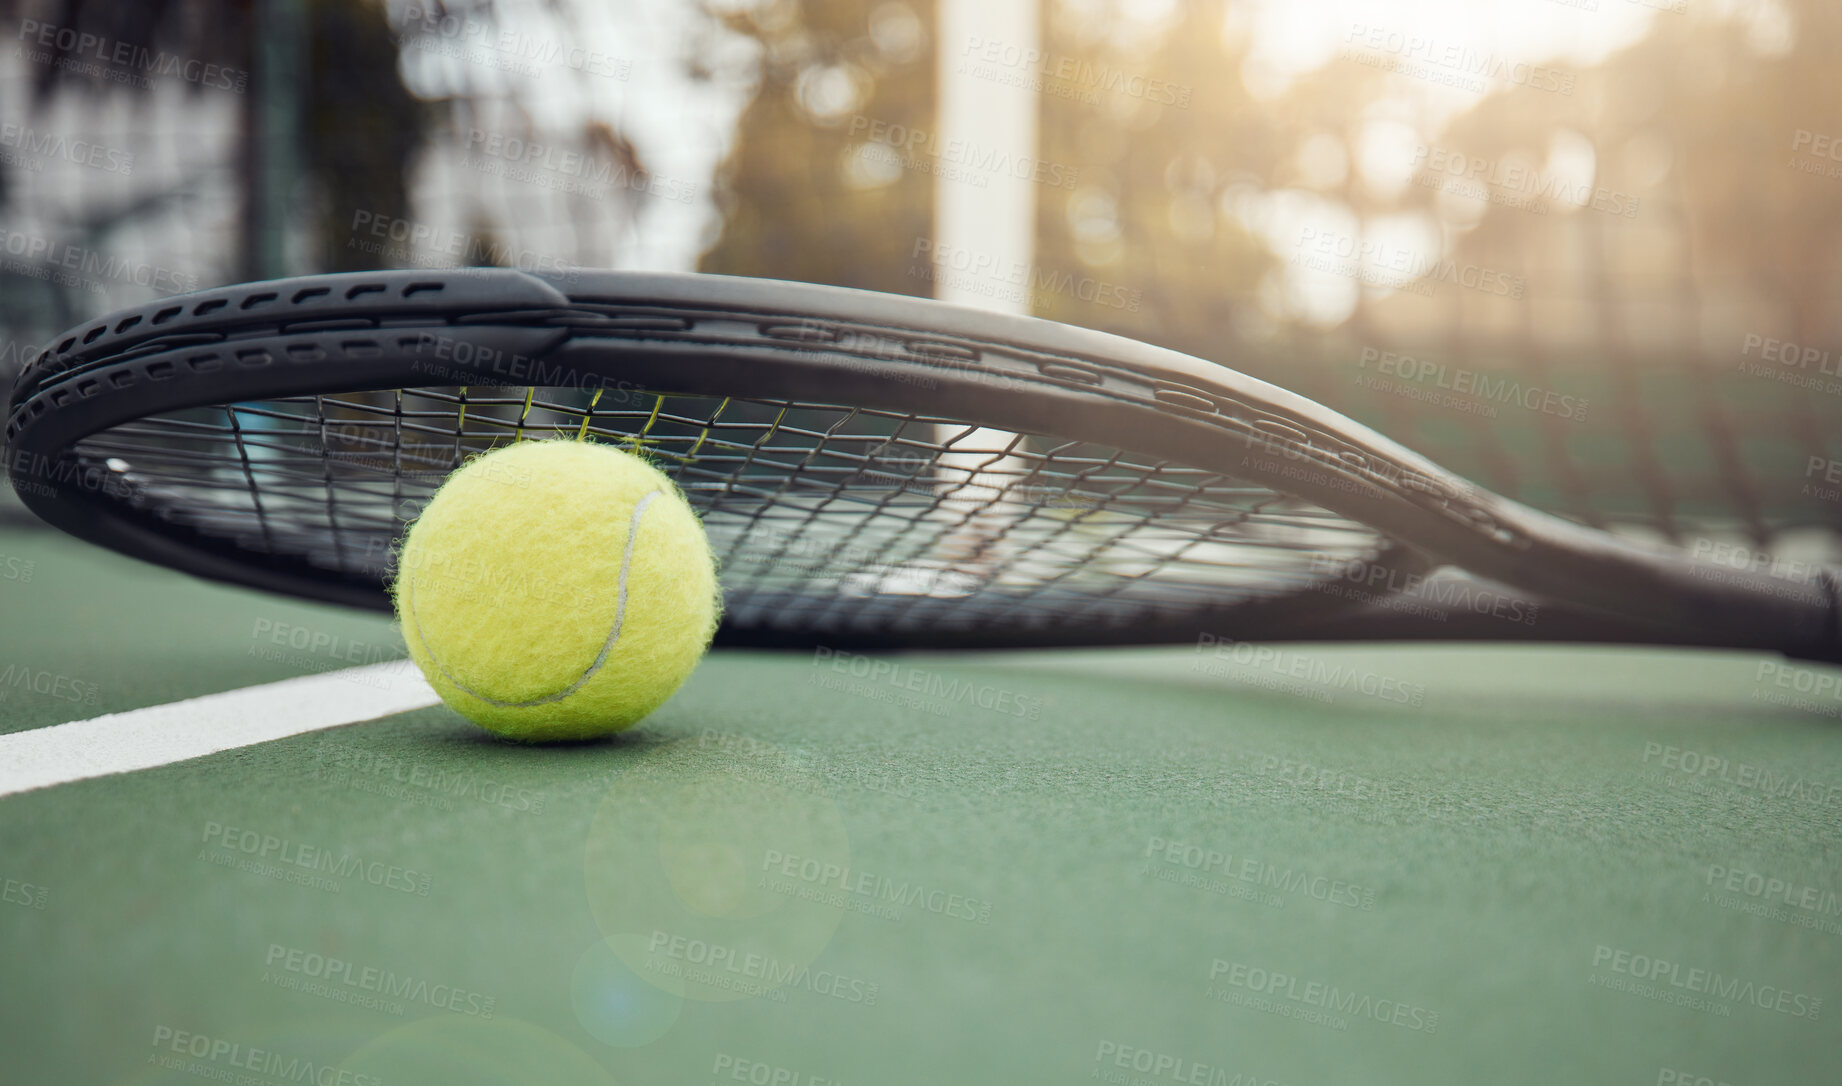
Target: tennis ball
(556,590)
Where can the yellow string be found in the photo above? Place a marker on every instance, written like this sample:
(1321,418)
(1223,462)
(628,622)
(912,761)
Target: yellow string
(705,432)
(639,438)
(586,415)
(460,423)
(518,435)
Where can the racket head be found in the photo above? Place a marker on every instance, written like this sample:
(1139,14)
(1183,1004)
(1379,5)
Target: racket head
(1069,487)
(282,434)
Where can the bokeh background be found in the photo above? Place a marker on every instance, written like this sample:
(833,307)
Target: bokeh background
(1584,252)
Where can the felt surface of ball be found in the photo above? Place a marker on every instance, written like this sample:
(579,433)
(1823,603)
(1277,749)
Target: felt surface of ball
(556,590)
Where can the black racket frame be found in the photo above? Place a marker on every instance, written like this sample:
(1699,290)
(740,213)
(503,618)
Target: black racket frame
(710,335)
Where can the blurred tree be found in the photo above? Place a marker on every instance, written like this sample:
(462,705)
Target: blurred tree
(1154,149)
(1158,124)
(358,125)
(805,192)
(1682,216)
(360,128)
(1698,122)
(214,31)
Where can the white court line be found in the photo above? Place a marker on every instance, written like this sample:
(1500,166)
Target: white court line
(163,734)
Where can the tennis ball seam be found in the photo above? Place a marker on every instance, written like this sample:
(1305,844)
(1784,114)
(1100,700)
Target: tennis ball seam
(607,648)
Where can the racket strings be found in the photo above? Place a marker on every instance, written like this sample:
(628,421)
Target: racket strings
(821,515)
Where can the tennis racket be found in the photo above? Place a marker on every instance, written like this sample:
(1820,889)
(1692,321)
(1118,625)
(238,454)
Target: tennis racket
(873,470)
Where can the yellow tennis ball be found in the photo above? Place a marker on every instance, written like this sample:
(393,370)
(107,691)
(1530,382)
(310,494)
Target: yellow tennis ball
(556,590)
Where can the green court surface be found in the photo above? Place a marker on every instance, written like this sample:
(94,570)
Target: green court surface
(1374,864)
